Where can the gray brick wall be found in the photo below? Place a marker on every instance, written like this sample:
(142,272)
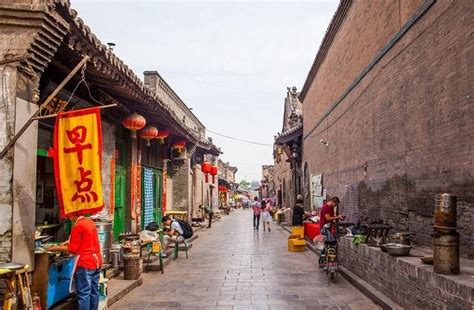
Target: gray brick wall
(409,119)
(406,281)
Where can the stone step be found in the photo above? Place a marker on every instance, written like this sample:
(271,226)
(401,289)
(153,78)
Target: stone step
(117,288)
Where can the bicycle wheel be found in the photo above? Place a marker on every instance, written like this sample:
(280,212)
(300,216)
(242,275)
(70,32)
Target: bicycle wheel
(331,275)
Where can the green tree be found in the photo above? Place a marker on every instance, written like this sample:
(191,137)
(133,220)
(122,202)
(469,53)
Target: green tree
(244,184)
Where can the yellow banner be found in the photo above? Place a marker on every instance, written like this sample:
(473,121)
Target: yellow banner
(77,161)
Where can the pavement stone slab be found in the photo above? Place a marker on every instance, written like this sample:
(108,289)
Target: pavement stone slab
(233,267)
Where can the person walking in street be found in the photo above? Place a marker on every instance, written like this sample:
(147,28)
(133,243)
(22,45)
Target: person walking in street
(84,243)
(257,210)
(298,212)
(173,233)
(266,216)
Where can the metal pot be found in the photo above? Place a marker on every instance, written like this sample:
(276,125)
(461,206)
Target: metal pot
(401,238)
(398,250)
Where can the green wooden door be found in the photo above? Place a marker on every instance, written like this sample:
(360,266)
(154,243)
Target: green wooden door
(120,200)
(158,186)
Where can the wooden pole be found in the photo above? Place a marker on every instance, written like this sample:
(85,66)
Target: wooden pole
(34,116)
(54,115)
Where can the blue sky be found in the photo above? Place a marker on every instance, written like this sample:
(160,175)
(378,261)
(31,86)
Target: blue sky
(231,61)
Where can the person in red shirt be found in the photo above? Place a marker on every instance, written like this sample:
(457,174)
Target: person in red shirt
(327,212)
(84,243)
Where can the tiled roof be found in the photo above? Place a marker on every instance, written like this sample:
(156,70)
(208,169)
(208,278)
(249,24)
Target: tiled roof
(295,130)
(106,61)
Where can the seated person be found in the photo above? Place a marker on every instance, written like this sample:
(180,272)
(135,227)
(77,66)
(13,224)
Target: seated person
(172,235)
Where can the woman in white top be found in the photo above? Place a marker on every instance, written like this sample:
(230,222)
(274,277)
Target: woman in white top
(266,216)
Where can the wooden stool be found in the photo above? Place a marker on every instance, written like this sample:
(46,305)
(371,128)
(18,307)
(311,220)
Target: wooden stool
(18,284)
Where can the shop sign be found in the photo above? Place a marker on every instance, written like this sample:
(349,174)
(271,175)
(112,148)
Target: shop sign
(77,161)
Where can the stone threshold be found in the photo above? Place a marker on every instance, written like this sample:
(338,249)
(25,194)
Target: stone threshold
(365,288)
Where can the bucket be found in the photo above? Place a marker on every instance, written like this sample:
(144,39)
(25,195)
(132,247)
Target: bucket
(132,268)
(446,254)
(104,232)
(445,210)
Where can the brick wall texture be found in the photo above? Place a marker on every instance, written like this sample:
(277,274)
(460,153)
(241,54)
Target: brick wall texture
(407,281)
(407,124)
(282,180)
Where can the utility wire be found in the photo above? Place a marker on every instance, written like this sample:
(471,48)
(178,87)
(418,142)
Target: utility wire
(238,139)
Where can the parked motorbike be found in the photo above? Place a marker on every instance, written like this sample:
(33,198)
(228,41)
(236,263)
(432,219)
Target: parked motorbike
(328,258)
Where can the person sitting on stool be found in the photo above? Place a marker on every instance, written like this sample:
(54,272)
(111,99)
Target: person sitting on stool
(172,235)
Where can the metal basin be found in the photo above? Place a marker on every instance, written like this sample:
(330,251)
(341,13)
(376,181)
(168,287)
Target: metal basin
(383,247)
(11,266)
(398,249)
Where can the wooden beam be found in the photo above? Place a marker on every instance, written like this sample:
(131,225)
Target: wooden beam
(53,94)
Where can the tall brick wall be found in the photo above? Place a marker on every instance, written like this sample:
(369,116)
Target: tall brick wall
(409,119)
(365,30)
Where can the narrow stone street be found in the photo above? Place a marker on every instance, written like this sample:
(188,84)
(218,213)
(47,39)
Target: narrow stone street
(233,267)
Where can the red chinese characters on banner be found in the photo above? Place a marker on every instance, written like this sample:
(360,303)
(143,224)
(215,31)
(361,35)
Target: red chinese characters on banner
(77,161)
(77,136)
(83,187)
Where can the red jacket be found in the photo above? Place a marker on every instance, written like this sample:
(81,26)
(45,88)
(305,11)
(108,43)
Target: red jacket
(84,242)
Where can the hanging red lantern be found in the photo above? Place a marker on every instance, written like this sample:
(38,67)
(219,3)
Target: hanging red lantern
(206,169)
(179,145)
(214,171)
(134,122)
(148,133)
(223,189)
(162,135)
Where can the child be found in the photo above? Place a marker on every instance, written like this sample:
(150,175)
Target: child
(266,216)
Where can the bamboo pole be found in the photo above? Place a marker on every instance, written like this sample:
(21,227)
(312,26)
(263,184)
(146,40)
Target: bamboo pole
(53,94)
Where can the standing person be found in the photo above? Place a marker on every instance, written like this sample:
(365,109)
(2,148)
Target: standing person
(210,212)
(327,212)
(84,243)
(298,212)
(257,210)
(172,235)
(266,216)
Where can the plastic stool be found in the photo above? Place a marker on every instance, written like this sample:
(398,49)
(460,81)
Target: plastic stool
(176,249)
(160,257)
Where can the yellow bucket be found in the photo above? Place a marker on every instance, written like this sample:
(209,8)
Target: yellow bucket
(156,247)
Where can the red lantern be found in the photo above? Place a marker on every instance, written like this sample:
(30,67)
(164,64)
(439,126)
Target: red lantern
(179,145)
(162,135)
(223,189)
(206,169)
(134,122)
(148,133)
(214,173)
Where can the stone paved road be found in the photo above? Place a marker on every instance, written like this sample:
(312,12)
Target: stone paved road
(233,267)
